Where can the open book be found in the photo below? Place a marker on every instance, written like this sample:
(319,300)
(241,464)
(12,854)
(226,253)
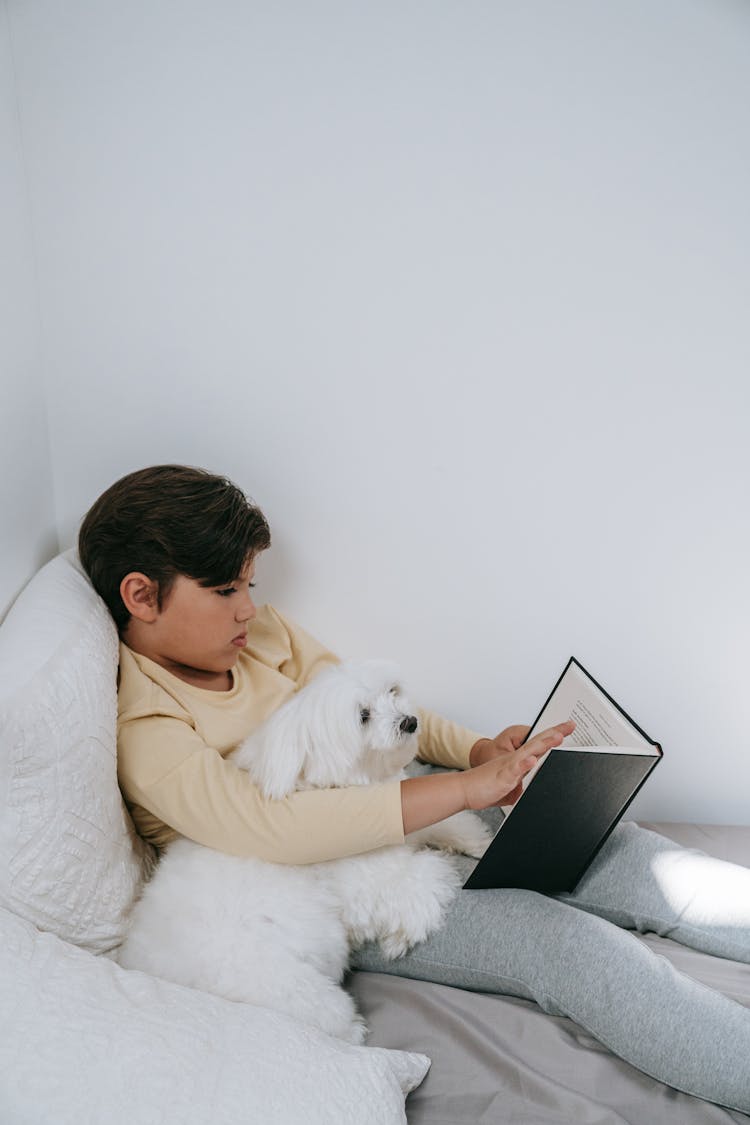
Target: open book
(576,794)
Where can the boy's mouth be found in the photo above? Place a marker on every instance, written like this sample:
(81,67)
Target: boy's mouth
(240,640)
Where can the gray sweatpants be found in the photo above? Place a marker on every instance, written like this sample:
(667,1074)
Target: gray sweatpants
(571,955)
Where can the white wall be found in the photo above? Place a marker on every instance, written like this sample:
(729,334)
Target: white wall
(459,293)
(26,497)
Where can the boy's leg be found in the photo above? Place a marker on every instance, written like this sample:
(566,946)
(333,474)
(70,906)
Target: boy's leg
(645,882)
(575,964)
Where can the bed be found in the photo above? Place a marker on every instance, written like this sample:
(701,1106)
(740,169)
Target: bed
(83,1040)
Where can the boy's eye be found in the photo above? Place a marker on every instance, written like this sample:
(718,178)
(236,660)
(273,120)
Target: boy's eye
(225,593)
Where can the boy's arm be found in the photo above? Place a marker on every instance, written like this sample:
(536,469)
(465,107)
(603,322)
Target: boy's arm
(165,769)
(444,743)
(171,779)
(496,781)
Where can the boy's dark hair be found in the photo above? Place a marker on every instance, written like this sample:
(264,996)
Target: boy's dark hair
(164,521)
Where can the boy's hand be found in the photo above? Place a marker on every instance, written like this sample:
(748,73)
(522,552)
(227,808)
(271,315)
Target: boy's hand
(496,780)
(504,743)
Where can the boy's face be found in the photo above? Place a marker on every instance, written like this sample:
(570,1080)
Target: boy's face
(202,629)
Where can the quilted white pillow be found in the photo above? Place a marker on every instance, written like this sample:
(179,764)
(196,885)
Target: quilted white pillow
(83,1040)
(70,860)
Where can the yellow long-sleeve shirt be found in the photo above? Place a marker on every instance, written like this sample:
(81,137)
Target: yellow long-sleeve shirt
(173,739)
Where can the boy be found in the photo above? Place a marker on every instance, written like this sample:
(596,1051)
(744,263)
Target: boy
(171,551)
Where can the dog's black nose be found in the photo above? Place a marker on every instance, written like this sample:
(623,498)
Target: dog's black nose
(409,724)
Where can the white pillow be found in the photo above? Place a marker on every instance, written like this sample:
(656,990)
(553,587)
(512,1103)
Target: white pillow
(83,1040)
(70,860)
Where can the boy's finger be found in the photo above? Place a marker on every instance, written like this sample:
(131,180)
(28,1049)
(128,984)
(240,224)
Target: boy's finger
(541,743)
(555,734)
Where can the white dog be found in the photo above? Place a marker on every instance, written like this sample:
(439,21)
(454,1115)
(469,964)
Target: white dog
(279,935)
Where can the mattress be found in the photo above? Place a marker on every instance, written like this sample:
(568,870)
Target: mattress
(498,1059)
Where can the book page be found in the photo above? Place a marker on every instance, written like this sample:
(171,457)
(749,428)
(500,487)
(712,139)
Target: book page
(599,725)
(598,722)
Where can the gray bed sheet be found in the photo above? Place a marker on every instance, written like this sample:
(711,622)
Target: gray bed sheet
(498,1060)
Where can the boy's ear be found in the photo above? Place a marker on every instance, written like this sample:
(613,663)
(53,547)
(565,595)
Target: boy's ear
(141,596)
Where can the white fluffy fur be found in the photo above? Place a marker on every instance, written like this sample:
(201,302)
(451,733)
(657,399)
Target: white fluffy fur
(279,935)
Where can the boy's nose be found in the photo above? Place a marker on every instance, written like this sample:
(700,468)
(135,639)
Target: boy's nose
(247,610)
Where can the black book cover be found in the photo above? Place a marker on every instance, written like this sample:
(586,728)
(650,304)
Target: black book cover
(568,811)
(572,803)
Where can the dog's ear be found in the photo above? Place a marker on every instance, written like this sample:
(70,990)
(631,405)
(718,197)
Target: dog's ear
(275,754)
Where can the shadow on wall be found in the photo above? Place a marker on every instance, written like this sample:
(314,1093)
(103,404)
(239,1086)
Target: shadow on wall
(16,569)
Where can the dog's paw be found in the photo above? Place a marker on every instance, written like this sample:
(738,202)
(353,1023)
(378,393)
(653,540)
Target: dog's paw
(472,837)
(396,944)
(356,1032)
(419,896)
(464,833)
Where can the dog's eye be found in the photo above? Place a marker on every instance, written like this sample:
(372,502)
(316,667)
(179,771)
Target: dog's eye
(395,689)
(364,715)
